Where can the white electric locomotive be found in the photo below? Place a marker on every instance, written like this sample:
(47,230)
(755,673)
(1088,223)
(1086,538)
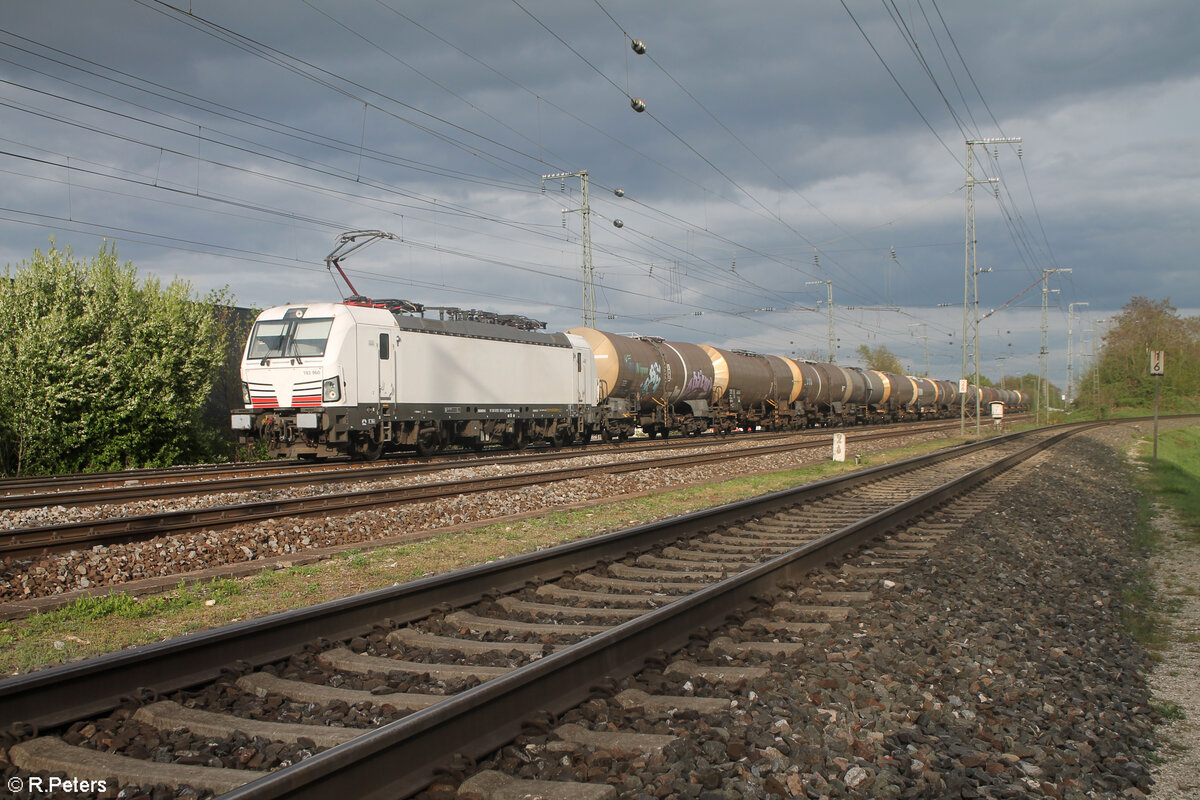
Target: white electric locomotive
(365,376)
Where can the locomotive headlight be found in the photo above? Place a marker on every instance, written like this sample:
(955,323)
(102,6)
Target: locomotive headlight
(331,390)
(245,393)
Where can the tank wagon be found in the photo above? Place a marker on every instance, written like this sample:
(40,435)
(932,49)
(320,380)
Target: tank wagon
(363,377)
(650,383)
(752,390)
(1011,399)
(879,396)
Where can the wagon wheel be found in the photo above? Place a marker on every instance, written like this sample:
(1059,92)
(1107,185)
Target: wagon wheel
(516,440)
(428,442)
(366,449)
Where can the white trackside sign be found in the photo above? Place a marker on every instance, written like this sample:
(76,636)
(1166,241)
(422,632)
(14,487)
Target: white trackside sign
(1157,362)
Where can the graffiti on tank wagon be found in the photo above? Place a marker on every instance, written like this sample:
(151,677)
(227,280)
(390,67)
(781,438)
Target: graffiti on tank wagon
(653,380)
(698,385)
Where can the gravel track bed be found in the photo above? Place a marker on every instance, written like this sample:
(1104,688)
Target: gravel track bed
(58,514)
(180,553)
(997,669)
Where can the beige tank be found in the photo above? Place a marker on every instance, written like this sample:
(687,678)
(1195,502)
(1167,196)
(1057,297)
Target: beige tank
(646,371)
(788,380)
(746,380)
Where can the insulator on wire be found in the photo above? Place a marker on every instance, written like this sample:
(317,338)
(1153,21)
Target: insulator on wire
(1018,152)
(618,223)
(637,104)
(619,192)
(638,46)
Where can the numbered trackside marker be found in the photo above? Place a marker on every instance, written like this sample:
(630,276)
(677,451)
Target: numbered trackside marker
(1157,362)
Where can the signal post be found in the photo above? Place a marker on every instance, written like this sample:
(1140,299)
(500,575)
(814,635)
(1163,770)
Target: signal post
(1156,369)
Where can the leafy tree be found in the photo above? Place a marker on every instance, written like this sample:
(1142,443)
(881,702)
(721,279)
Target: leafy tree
(880,358)
(1030,385)
(1124,359)
(102,371)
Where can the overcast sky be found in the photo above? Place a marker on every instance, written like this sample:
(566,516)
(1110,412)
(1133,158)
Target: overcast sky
(229,143)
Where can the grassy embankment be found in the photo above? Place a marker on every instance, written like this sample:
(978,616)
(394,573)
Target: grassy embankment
(1174,482)
(1166,408)
(94,626)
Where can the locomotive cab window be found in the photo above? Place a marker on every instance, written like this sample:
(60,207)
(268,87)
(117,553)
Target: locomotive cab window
(289,338)
(384,348)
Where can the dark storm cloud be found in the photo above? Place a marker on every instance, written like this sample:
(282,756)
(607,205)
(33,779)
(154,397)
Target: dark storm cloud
(813,146)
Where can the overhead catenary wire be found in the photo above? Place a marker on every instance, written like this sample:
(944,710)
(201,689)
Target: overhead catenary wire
(641,240)
(275,56)
(743,246)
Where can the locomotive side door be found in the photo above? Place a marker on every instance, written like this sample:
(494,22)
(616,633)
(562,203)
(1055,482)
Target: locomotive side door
(369,371)
(385,345)
(584,369)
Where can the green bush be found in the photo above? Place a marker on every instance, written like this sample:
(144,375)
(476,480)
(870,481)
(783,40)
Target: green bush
(101,371)
(1122,369)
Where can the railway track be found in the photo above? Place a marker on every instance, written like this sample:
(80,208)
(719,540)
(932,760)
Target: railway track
(115,487)
(89,487)
(63,536)
(456,664)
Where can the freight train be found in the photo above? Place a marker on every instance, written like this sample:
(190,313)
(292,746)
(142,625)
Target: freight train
(364,377)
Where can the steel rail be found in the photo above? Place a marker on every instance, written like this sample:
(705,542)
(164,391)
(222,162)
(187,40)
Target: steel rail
(23,542)
(400,759)
(77,488)
(72,691)
(76,481)
(65,485)
(300,474)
